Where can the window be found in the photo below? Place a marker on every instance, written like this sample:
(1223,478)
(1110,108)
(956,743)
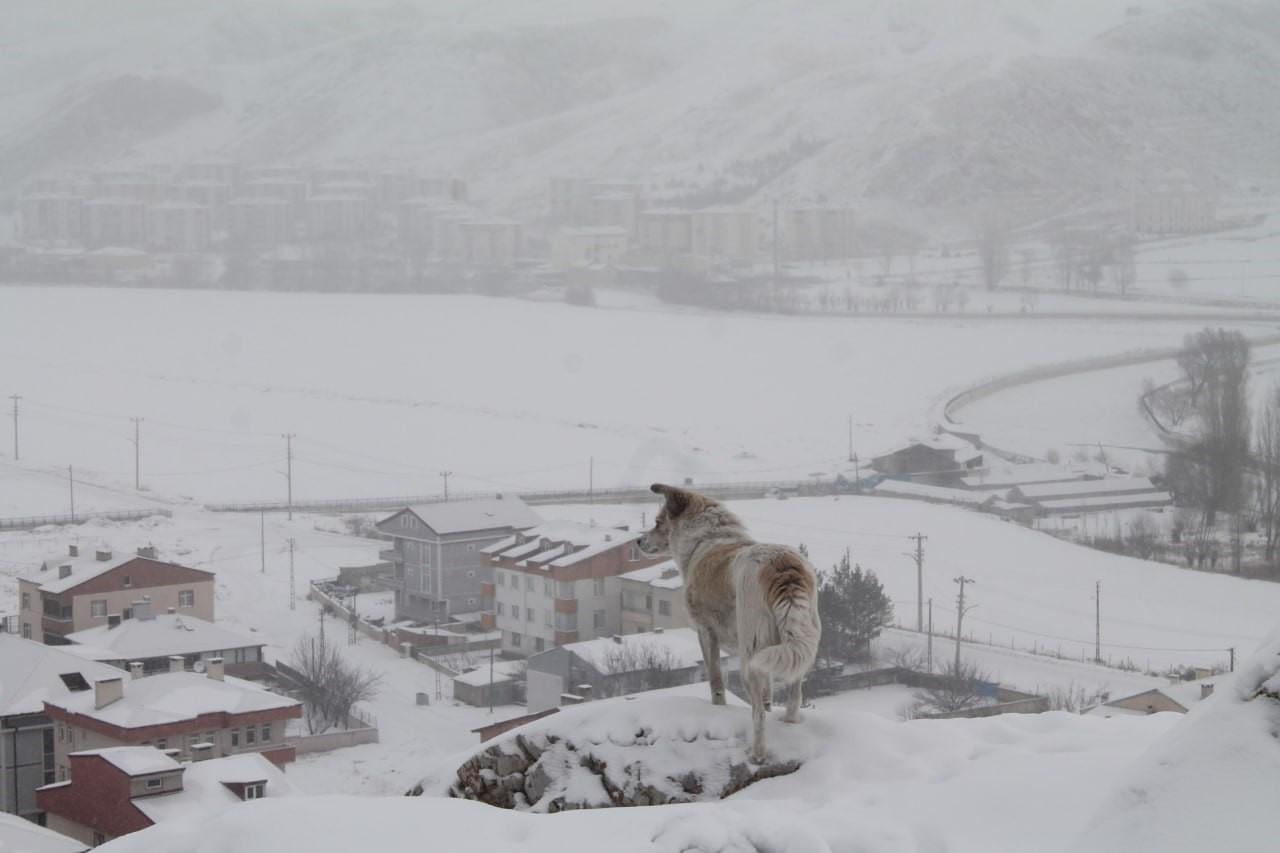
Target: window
(502,579)
(597,587)
(26,601)
(26,630)
(250,735)
(664,608)
(471,573)
(99,839)
(155,783)
(162,743)
(530,583)
(539,644)
(549,621)
(266,732)
(529,615)
(255,790)
(548,588)
(47,738)
(128,581)
(186,598)
(235,738)
(633,553)
(471,602)
(471,548)
(498,608)
(98,608)
(597,619)
(515,639)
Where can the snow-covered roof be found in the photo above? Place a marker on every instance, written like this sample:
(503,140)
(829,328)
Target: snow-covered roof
(664,575)
(173,697)
(1085,488)
(23,836)
(134,760)
(503,670)
(86,567)
(1018,475)
(1134,499)
(940,441)
(564,543)
(681,643)
(31,674)
(484,514)
(204,787)
(898,488)
(594,231)
(163,635)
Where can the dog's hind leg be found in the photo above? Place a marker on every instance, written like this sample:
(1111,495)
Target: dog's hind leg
(793,702)
(711,657)
(757,685)
(768,694)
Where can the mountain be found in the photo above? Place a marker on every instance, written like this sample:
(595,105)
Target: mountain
(911,108)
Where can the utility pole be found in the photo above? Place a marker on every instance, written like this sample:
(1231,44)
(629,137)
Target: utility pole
(1097,621)
(15,398)
(322,626)
(262,537)
(775,243)
(960,611)
(918,556)
(71,486)
(1233,658)
(288,443)
(491,679)
(850,438)
(445,475)
(293,592)
(591,481)
(929,644)
(137,453)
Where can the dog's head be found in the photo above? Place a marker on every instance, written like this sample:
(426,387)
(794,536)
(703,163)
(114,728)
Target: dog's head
(678,505)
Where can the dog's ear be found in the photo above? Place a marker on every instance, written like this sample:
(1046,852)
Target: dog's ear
(677,499)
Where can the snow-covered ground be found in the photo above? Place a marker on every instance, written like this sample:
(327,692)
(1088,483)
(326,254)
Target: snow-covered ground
(386,392)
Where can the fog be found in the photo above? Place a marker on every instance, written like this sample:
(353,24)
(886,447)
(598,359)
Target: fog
(373,311)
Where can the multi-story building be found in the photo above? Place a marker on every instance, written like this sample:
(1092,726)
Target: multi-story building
(119,790)
(438,553)
(54,217)
(818,233)
(193,716)
(1173,206)
(178,227)
(559,583)
(725,234)
(653,598)
(491,242)
(153,640)
(666,233)
(78,592)
(584,246)
(114,222)
(30,673)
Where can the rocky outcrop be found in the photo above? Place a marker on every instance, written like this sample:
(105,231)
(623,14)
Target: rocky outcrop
(612,759)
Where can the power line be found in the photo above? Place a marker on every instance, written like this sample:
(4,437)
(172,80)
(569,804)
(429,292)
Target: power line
(288,438)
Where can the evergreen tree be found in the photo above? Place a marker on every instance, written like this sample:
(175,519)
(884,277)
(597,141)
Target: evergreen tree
(854,610)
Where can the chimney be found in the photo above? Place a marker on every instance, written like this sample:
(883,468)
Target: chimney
(73,550)
(106,691)
(148,551)
(177,664)
(584,690)
(201,752)
(142,610)
(215,669)
(1206,690)
(135,669)
(405,649)
(64,571)
(102,555)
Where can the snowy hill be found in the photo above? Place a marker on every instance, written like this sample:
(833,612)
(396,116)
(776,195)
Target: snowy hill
(922,103)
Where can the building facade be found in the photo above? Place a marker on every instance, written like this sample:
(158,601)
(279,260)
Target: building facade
(438,553)
(79,591)
(653,598)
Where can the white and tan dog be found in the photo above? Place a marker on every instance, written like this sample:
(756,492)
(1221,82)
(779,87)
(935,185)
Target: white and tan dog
(764,598)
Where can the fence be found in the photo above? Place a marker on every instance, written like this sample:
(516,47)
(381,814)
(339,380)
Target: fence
(33,521)
(340,739)
(622,494)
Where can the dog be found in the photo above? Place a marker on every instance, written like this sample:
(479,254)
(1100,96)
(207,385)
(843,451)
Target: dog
(763,598)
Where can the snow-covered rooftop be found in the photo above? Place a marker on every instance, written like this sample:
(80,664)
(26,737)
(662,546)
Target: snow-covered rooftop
(164,634)
(560,543)
(31,674)
(20,835)
(204,787)
(899,488)
(134,760)
(664,575)
(174,697)
(84,568)
(503,670)
(681,643)
(1017,475)
(485,514)
(1077,488)
(1108,501)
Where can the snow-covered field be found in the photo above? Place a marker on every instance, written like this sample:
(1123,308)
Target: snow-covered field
(386,392)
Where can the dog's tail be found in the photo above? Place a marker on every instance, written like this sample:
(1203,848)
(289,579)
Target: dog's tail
(791,594)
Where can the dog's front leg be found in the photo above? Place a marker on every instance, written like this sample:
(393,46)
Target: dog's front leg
(711,656)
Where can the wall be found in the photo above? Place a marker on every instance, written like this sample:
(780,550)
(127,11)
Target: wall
(22,762)
(162,598)
(305,744)
(30,616)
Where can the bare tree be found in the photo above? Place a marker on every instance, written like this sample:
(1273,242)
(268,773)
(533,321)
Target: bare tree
(330,686)
(639,666)
(956,689)
(1267,441)
(1122,268)
(993,248)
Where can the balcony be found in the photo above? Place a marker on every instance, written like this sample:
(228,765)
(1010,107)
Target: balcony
(565,637)
(390,555)
(566,605)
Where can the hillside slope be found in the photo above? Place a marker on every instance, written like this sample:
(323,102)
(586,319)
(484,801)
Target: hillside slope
(920,104)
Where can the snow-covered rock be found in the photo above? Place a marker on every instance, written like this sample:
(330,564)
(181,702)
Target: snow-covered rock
(650,750)
(1211,782)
